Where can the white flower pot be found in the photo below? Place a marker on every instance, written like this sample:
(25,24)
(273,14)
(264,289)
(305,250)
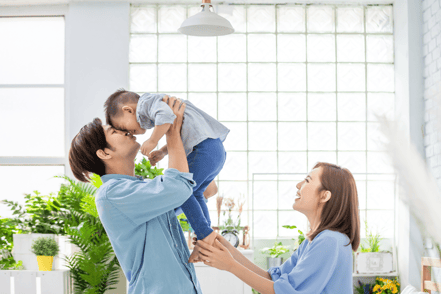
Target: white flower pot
(274,261)
(373,262)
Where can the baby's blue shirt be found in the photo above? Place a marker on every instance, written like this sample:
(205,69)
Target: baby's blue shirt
(322,266)
(197,126)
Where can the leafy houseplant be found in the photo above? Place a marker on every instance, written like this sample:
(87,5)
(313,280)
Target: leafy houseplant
(275,252)
(45,249)
(301,235)
(144,169)
(373,241)
(7,261)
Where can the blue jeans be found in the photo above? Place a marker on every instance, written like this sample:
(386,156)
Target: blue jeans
(205,162)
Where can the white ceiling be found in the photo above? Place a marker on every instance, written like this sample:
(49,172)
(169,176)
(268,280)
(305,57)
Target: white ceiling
(56,2)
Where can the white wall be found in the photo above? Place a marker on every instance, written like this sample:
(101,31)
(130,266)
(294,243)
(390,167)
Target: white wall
(97,61)
(409,113)
(432,83)
(432,95)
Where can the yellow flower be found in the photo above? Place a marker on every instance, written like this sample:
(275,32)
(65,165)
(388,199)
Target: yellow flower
(377,287)
(394,290)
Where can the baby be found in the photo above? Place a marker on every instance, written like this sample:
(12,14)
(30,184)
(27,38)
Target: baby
(202,137)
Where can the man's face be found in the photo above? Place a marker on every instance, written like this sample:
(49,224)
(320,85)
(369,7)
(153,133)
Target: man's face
(124,144)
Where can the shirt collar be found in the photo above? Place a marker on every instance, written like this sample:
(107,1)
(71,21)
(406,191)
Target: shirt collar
(108,177)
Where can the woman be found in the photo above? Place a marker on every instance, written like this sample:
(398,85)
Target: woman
(323,262)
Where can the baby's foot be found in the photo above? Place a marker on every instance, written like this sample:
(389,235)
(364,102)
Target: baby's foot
(194,257)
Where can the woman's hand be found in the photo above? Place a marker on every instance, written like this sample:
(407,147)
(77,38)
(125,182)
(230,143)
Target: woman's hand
(216,256)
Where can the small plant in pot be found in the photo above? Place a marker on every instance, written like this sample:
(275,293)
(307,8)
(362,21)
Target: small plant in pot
(45,248)
(275,252)
(370,259)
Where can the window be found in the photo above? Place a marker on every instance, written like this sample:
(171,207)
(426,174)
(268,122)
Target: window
(296,84)
(32,149)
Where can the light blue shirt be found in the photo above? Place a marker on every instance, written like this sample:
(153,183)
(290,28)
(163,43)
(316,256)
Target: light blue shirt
(322,266)
(148,241)
(196,126)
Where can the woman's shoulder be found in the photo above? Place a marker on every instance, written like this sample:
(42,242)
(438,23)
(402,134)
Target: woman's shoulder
(338,236)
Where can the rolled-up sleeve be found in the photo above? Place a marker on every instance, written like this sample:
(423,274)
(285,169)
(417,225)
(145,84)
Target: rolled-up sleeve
(161,112)
(142,201)
(312,272)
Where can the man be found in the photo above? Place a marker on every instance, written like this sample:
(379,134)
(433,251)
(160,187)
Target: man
(138,215)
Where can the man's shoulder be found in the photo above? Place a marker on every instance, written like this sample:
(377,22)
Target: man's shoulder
(109,187)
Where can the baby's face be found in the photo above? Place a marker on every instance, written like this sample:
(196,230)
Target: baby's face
(128,123)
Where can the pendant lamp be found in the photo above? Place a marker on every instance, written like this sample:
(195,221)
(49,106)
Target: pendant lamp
(206,23)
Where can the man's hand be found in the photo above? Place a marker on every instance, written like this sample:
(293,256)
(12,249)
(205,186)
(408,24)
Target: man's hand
(147,147)
(178,109)
(156,156)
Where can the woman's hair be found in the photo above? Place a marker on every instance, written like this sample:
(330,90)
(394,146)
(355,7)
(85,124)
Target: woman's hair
(340,212)
(82,154)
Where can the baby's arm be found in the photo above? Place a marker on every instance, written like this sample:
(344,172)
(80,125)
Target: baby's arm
(152,142)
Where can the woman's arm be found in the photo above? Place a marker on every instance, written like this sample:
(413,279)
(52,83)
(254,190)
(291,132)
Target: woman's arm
(220,258)
(239,257)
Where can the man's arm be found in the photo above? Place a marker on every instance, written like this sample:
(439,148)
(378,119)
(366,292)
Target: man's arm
(177,158)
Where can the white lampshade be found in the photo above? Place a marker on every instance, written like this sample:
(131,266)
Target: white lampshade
(206,23)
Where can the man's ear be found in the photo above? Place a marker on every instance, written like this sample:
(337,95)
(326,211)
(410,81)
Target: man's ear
(102,154)
(128,109)
(325,196)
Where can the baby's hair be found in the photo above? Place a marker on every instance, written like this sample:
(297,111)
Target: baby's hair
(112,106)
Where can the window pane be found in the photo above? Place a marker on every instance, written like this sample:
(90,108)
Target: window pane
(170,18)
(350,20)
(32,50)
(40,178)
(290,19)
(321,19)
(143,48)
(33,121)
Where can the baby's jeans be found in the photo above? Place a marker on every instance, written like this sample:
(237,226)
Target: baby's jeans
(205,162)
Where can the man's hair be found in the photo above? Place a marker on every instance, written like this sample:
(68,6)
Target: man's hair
(112,106)
(82,154)
(340,213)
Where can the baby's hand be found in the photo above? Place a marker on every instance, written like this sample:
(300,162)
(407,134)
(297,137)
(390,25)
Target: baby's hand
(147,147)
(156,156)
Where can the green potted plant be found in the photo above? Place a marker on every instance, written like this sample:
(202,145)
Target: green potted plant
(274,253)
(300,239)
(45,248)
(370,259)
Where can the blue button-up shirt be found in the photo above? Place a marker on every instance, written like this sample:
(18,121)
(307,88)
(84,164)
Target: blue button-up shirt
(196,126)
(139,219)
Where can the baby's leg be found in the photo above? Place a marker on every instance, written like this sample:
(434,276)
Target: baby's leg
(205,162)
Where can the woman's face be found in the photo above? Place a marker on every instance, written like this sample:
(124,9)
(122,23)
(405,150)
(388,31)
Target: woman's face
(308,195)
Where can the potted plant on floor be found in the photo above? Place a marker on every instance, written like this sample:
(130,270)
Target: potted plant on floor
(45,248)
(275,252)
(370,259)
